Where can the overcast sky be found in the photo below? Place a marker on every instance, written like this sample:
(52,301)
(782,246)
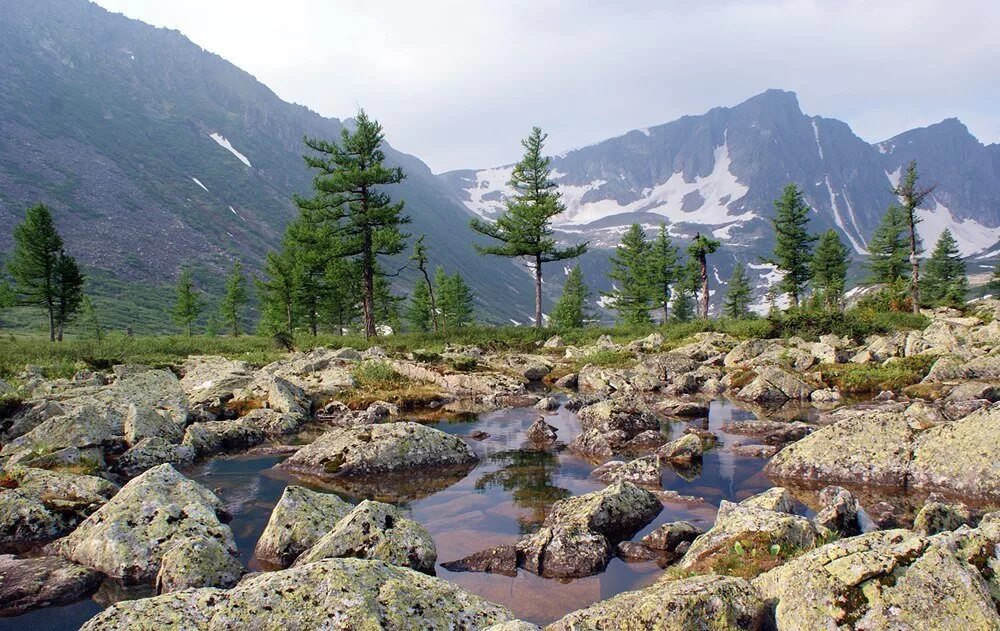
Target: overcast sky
(458,83)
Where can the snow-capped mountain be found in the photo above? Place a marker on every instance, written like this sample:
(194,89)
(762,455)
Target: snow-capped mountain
(721,171)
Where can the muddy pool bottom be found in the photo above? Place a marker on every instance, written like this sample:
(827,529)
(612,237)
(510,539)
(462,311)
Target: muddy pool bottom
(507,494)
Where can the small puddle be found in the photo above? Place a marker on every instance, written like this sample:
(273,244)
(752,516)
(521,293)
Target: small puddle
(507,494)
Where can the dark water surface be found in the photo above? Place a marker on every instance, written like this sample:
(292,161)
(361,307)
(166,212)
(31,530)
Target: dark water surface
(508,493)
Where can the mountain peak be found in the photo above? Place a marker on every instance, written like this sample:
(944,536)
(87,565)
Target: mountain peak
(774,98)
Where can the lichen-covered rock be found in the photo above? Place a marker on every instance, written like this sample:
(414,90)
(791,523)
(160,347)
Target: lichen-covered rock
(643,471)
(668,536)
(335,594)
(872,448)
(25,522)
(962,457)
(145,422)
(775,498)
(775,385)
(214,437)
(499,560)
(370,449)
(886,580)
(151,452)
(541,433)
(513,625)
(127,537)
(751,527)
(197,562)
(30,583)
(578,536)
(274,424)
(373,530)
(936,517)
(681,452)
(841,514)
(682,407)
(706,603)
(298,521)
(210,381)
(284,396)
(27,417)
(668,372)
(83,427)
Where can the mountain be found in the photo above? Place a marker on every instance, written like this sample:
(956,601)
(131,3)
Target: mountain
(719,172)
(154,153)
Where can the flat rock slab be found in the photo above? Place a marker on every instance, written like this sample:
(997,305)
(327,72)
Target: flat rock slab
(27,584)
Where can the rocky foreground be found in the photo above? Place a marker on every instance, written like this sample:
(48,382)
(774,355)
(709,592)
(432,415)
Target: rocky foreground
(900,531)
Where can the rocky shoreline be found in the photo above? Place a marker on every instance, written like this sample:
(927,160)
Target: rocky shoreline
(92,489)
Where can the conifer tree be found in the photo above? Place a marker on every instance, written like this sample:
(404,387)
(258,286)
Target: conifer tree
(69,291)
(524,229)
(352,204)
(682,305)
(455,300)
(386,303)
(234,301)
(6,294)
(36,253)
(570,311)
(418,311)
(911,196)
(792,242)
(91,321)
(337,306)
(664,268)
(277,294)
(188,304)
(888,248)
(629,274)
(829,268)
(420,258)
(698,251)
(945,282)
(993,285)
(739,295)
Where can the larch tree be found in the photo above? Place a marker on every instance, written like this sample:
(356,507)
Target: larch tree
(277,293)
(739,295)
(69,292)
(911,196)
(829,269)
(698,251)
(420,258)
(945,282)
(188,303)
(524,229)
(630,292)
(663,269)
(386,302)
(353,205)
(91,321)
(570,311)
(993,285)
(792,242)
(456,300)
(888,248)
(33,261)
(418,311)
(234,300)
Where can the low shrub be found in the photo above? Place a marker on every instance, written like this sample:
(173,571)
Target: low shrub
(377,374)
(867,379)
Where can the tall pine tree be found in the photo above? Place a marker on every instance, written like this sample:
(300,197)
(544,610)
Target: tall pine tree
(525,227)
(889,248)
(629,274)
(739,295)
(33,262)
(419,310)
(698,251)
(455,300)
(570,311)
(69,291)
(945,282)
(235,299)
(993,285)
(911,196)
(829,269)
(277,294)
(792,242)
(188,304)
(348,194)
(420,258)
(663,269)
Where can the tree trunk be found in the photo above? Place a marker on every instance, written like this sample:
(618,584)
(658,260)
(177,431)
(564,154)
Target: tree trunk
(915,266)
(538,291)
(793,298)
(52,322)
(666,312)
(368,271)
(288,316)
(430,291)
(704,287)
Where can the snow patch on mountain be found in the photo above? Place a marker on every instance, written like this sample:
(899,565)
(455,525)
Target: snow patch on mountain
(819,147)
(228,146)
(490,189)
(198,182)
(895,176)
(972,236)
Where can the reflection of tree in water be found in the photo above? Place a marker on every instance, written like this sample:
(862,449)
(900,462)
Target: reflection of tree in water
(527,475)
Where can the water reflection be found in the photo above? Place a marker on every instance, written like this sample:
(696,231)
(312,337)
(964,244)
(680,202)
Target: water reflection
(527,475)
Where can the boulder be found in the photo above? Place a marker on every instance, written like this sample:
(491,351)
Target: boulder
(775,385)
(212,437)
(194,562)
(706,603)
(577,537)
(891,579)
(669,372)
(286,397)
(960,457)
(336,594)
(127,537)
(25,522)
(682,407)
(150,452)
(643,471)
(86,427)
(775,498)
(144,422)
(670,535)
(30,583)
(27,416)
(499,560)
(541,433)
(297,522)
(273,423)
(841,514)
(681,452)
(373,449)
(373,530)
(568,382)
(554,342)
(936,517)
(547,404)
(210,381)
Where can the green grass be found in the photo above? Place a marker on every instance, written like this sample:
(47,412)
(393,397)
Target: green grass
(377,375)
(865,379)
(607,358)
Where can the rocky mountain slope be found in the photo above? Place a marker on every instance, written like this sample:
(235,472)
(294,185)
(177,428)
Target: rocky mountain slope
(154,153)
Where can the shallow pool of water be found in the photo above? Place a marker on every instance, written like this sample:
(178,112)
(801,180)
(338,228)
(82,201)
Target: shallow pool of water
(508,493)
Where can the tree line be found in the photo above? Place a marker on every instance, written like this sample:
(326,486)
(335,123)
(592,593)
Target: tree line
(328,273)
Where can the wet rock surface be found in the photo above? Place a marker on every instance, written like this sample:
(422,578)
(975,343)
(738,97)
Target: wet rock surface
(30,583)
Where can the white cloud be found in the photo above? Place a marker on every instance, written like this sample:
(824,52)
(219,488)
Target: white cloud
(446,78)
